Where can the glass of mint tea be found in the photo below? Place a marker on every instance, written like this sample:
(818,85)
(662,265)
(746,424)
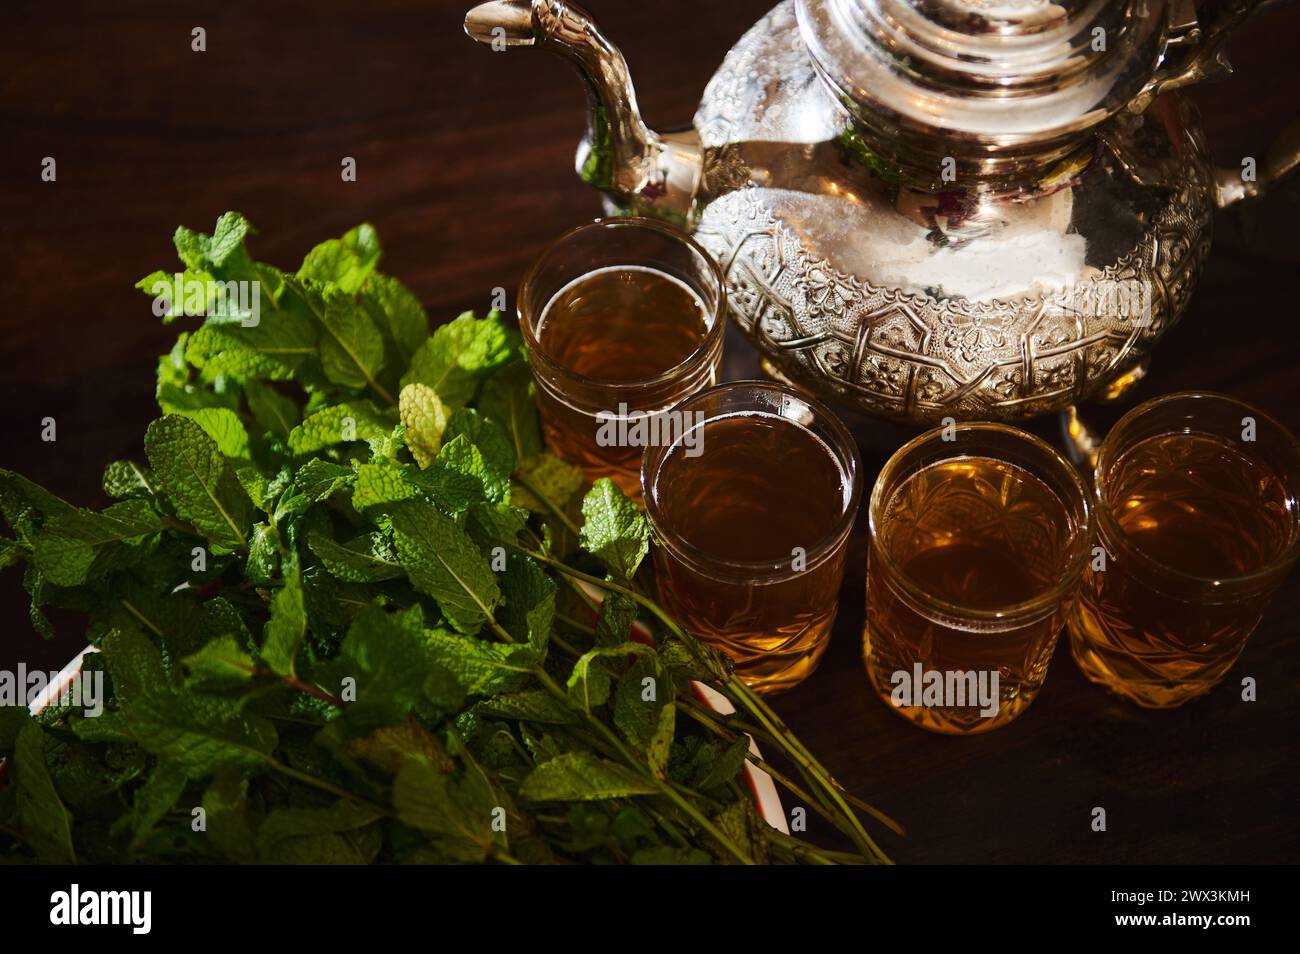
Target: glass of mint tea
(750,512)
(622,318)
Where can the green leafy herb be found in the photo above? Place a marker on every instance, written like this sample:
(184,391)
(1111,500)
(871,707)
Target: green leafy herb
(198,480)
(614,530)
(580,776)
(343,607)
(459,355)
(424,417)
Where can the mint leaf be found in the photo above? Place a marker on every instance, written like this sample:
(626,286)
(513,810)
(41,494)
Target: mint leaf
(191,472)
(386,448)
(659,747)
(424,417)
(338,424)
(459,478)
(589,683)
(644,712)
(459,355)
(295,513)
(491,524)
(274,413)
(12,720)
(344,833)
(25,504)
(554,478)
(443,562)
(613,529)
(319,479)
(288,624)
(199,735)
(153,800)
(219,617)
(177,393)
(529,610)
(429,800)
(223,426)
(397,313)
(351,347)
(528,705)
(274,348)
(221,252)
(507,399)
(263,561)
(134,663)
(45,821)
(221,664)
(331,603)
(480,667)
(614,622)
(369,558)
(685,664)
(459,455)
(347,262)
(172,619)
(388,746)
(124,478)
(227,240)
(380,484)
(453,489)
(581,776)
(159,283)
(76,546)
(715,764)
(226,803)
(493,443)
(390,662)
(253,481)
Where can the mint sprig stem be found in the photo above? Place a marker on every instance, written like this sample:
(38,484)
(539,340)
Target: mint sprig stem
(776,732)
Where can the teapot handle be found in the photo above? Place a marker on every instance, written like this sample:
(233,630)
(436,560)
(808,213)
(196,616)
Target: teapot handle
(1282,159)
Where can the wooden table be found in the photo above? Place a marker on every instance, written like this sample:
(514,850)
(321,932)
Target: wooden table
(464,163)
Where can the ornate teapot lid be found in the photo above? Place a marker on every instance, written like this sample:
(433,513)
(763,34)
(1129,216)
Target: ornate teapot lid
(986,77)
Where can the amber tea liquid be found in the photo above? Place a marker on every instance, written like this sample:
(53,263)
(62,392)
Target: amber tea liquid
(614,326)
(763,487)
(1196,505)
(977,533)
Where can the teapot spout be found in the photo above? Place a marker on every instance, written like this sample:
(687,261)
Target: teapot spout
(640,170)
(501,22)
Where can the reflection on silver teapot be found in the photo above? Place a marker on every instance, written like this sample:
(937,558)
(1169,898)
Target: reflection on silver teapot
(983,209)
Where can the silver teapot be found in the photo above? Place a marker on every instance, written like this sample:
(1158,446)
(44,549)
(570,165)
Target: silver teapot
(977,209)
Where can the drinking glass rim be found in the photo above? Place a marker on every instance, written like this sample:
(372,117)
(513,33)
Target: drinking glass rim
(772,571)
(1075,554)
(717,325)
(1105,458)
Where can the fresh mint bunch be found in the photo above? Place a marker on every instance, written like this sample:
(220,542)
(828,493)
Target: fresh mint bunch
(343,607)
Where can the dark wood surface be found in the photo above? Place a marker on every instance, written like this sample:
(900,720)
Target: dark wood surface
(464,162)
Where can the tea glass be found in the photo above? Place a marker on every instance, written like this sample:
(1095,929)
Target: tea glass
(601,425)
(1195,496)
(772,616)
(978,535)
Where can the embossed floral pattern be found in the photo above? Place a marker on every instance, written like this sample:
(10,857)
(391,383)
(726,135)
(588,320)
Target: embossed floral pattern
(973,333)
